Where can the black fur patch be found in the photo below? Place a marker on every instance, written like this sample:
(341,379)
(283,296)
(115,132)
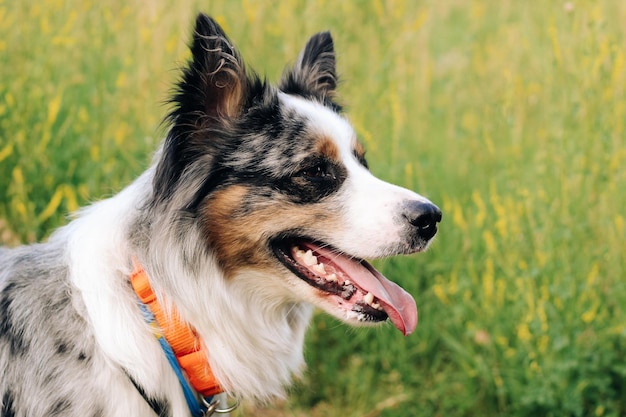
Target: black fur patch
(8,409)
(52,376)
(9,331)
(160,406)
(361,158)
(317,178)
(60,407)
(62,348)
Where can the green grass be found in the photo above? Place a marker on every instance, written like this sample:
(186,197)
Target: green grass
(510,115)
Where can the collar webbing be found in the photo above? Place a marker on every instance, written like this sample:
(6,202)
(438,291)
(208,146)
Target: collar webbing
(182,346)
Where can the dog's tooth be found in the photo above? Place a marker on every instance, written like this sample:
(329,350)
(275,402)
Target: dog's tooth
(369,298)
(299,253)
(347,282)
(319,268)
(376,306)
(309,259)
(332,277)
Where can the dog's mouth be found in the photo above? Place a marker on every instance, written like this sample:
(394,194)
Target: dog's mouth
(362,292)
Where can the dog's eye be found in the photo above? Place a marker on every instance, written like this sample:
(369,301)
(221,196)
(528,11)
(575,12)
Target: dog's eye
(314,172)
(318,172)
(316,178)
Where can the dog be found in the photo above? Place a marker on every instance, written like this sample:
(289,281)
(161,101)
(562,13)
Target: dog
(259,207)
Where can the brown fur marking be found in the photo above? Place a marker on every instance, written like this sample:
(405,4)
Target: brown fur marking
(327,147)
(240,239)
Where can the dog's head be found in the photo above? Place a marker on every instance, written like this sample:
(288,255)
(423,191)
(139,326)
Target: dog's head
(275,182)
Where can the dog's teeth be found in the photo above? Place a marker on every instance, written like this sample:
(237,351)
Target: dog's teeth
(332,278)
(369,298)
(376,306)
(309,259)
(319,268)
(299,253)
(347,282)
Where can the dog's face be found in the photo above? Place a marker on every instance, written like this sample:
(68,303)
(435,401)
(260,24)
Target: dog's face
(277,183)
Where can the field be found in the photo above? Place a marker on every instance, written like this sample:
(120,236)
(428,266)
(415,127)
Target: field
(510,115)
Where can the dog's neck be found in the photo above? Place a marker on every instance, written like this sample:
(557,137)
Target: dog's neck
(254,343)
(254,339)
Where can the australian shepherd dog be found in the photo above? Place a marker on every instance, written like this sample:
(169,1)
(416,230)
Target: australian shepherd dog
(258,207)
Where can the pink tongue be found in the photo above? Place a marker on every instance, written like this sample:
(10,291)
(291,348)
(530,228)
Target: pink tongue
(397,303)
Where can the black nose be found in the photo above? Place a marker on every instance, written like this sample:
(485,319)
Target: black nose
(424,216)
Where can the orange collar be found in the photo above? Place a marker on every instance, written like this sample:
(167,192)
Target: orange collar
(183,340)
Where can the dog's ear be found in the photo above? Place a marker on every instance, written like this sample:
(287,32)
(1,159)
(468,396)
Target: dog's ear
(213,91)
(314,74)
(215,84)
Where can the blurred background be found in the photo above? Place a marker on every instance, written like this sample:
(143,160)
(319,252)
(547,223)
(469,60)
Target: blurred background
(508,114)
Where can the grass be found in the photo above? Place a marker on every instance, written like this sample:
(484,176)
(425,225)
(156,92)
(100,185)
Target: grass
(509,115)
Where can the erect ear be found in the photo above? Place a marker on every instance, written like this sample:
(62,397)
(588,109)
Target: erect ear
(213,90)
(215,83)
(314,74)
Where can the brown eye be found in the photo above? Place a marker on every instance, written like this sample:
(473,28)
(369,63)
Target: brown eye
(314,179)
(315,172)
(319,172)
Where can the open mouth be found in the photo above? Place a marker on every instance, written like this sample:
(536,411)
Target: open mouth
(358,289)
